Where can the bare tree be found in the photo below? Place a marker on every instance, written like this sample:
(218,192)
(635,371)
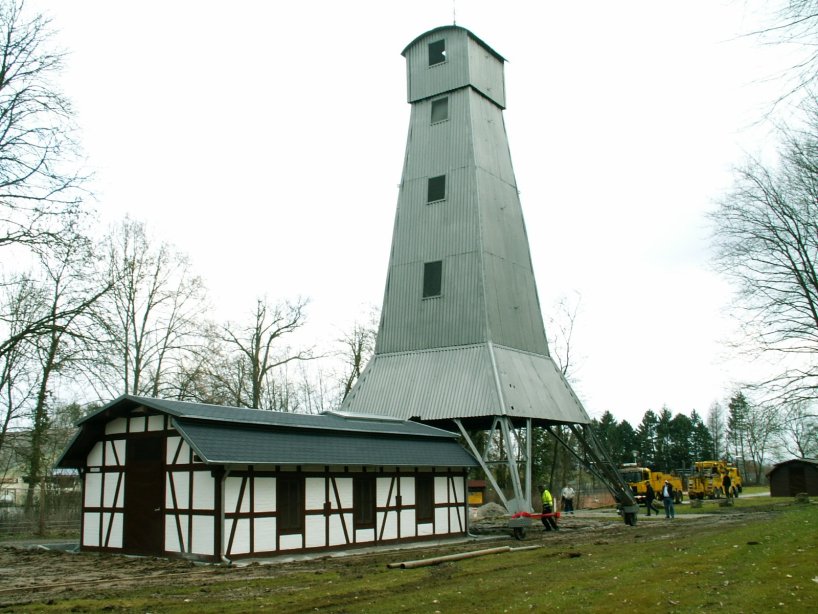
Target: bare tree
(151,317)
(20,304)
(560,340)
(37,146)
(718,429)
(754,429)
(799,430)
(766,233)
(358,346)
(794,23)
(68,291)
(763,426)
(259,352)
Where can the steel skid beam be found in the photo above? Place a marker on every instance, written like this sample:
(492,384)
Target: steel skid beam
(512,446)
(515,451)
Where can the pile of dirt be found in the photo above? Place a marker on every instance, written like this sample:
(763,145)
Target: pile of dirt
(489,511)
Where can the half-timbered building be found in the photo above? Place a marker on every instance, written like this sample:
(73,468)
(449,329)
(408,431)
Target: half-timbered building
(213,483)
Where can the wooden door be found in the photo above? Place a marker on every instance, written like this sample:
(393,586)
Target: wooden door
(144,490)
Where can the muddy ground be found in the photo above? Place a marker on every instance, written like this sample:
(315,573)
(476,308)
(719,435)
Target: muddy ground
(30,573)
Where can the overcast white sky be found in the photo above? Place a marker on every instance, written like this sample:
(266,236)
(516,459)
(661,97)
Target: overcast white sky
(266,140)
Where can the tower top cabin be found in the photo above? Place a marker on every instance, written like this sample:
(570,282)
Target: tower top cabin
(451,57)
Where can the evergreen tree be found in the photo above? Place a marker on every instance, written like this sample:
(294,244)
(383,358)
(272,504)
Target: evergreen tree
(702,444)
(646,439)
(681,442)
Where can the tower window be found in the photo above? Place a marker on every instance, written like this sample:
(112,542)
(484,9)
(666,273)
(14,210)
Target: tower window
(437,52)
(432,278)
(436,189)
(440,110)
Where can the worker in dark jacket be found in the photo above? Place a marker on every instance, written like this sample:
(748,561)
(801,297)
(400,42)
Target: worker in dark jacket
(727,485)
(667,499)
(650,495)
(548,511)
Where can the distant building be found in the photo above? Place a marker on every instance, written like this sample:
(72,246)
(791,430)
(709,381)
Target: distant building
(794,476)
(207,482)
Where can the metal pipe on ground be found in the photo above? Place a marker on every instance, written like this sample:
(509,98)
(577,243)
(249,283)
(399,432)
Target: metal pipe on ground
(456,557)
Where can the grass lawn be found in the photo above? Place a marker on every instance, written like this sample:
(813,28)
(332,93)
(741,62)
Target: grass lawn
(759,555)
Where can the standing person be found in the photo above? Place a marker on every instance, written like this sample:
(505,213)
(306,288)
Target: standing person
(726,483)
(650,495)
(548,511)
(667,499)
(568,499)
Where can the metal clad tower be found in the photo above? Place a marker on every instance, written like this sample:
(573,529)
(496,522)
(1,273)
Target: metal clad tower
(461,338)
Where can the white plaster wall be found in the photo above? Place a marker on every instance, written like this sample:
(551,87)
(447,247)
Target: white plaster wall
(390,531)
(442,520)
(181,486)
(232,488)
(264,535)
(110,481)
(456,519)
(204,490)
(170,450)
(407,491)
(314,493)
(344,492)
(202,538)
(90,529)
(116,426)
(315,531)
(241,540)
(363,536)
(93,490)
(171,532)
(336,529)
(115,452)
(291,542)
(156,423)
(265,494)
(425,529)
(459,490)
(441,490)
(382,486)
(95,455)
(138,424)
(407,523)
(114,523)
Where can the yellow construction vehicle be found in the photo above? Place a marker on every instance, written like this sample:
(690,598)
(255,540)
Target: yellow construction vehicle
(707,480)
(638,478)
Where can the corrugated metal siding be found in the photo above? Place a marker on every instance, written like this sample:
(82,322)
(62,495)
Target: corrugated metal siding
(459,382)
(533,387)
(469,62)
(434,357)
(424,80)
(486,72)
(489,139)
(430,385)
(457,317)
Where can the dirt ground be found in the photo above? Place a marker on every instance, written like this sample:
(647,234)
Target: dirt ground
(31,573)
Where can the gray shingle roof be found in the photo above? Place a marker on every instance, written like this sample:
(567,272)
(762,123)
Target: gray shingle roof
(239,444)
(232,435)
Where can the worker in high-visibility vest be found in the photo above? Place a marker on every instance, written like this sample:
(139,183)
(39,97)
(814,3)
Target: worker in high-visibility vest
(548,520)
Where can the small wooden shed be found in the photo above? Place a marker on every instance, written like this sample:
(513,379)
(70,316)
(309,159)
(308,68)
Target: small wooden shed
(208,482)
(794,476)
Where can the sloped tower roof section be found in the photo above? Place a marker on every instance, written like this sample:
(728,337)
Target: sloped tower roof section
(461,332)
